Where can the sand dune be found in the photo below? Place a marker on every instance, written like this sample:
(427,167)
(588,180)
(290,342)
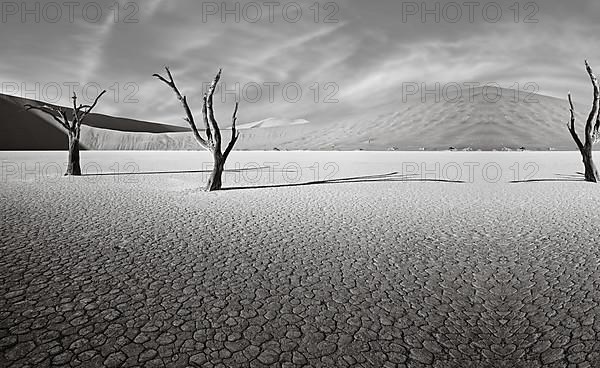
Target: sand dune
(20,130)
(534,122)
(273,122)
(31,130)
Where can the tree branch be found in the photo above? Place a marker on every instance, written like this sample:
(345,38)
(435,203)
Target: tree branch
(89,108)
(213,133)
(189,116)
(211,114)
(234,134)
(571,126)
(52,112)
(593,117)
(205,118)
(75,121)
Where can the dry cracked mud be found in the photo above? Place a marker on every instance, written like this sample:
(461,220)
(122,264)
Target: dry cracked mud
(382,274)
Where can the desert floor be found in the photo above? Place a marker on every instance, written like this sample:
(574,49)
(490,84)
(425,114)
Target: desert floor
(308,258)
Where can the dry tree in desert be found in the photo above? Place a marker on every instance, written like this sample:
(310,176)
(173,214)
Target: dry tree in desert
(72,126)
(591,130)
(212,143)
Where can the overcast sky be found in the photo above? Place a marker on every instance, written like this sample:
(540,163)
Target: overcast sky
(349,57)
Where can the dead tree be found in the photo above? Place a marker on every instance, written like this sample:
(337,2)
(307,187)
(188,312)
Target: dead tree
(592,127)
(72,126)
(212,143)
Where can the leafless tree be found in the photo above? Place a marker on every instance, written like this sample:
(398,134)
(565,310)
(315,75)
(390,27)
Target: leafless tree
(212,142)
(592,127)
(72,126)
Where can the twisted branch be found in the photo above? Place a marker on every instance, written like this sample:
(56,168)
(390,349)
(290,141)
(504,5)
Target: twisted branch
(234,134)
(59,114)
(189,116)
(592,125)
(213,139)
(55,112)
(571,126)
(209,112)
(88,107)
(593,122)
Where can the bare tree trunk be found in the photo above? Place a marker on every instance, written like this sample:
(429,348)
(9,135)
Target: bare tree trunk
(212,142)
(73,167)
(72,127)
(591,130)
(591,171)
(215,181)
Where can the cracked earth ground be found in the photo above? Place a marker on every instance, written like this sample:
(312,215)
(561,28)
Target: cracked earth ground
(151,272)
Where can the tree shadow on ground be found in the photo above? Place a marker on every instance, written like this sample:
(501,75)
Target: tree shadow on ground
(577,178)
(390,177)
(172,172)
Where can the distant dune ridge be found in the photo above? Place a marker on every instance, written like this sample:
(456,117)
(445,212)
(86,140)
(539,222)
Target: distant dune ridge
(273,122)
(31,130)
(515,120)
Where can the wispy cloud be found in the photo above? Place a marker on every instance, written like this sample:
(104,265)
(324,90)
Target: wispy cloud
(95,38)
(368,54)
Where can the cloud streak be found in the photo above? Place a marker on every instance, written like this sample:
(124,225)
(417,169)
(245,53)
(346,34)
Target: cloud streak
(367,53)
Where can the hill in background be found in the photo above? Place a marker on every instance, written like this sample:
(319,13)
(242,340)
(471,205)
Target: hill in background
(474,121)
(31,130)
